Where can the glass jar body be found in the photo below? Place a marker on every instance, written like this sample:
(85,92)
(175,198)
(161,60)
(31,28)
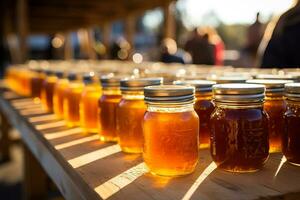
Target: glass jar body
(58,97)
(275,108)
(37,85)
(130,114)
(291,136)
(239,137)
(108,104)
(71,103)
(89,108)
(47,92)
(204,107)
(171,139)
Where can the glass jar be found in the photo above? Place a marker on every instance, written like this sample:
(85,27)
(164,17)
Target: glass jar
(58,96)
(108,103)
(203,106)
(275,107)
(48,90)
(291,136)
(71,100)
(89,103)
(37,80)
(130,113)
(171,130)
(239,127)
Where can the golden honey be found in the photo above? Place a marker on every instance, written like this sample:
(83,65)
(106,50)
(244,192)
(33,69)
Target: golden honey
(71,101)
(89,119)
(108,103)
(239,128)
(171,130)
(130,113)
(58,96)
(37,81)
(48,90)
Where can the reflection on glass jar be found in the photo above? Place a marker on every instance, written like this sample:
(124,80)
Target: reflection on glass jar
(58,96)
(171,130)
(130,113)
(291,136)
(239,127)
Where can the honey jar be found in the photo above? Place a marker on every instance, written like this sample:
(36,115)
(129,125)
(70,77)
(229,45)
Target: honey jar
(275,107)
(89,103)
(37,81)
(203,106)
(108,103)
(239,127)
(291,136)
(58,96)
(48,90)
(171,130)
(130,113)
(72,96)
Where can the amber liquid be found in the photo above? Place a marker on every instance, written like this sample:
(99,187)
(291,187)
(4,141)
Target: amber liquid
(37,85)
(47,92)
(171,142)
(72,98)
(275,109)
(107,116)
(239,139)
(89,108)
(291,136)
(204,107)
(130,114)
(58,97)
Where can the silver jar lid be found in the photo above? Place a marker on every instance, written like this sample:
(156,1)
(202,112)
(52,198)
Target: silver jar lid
(201,86)
(292,91)
(273,87)
(169,94)
(111,81)
(274,77)
(238,93)
(138,84)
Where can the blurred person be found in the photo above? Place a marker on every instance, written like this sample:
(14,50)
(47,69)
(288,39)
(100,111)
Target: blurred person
(198,46)
(169,52)
(217,43)
(282,40)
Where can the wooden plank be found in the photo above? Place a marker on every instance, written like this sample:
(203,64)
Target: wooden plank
(116,175)
(5,140)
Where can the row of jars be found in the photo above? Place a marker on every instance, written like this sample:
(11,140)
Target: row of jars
(241,122)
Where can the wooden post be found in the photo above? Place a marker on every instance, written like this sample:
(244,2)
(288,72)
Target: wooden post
(130,23)
(86,43)
(68,48)
(169,20)
(4,141)
(106,37)
(22,27)
(35,179)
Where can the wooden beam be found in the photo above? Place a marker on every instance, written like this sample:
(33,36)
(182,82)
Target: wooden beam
(22,27)
(169,20)
(4,140)
(130,23)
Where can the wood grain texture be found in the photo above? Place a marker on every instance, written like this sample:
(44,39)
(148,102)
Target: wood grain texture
(119,175)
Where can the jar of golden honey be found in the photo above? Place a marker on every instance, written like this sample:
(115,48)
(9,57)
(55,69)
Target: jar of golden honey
(130,113)
(108,103)
(171,130)
(58,95)
(275,107)
(48,90)
(71,100)
(37,81)
(90,96)
(291,136)
(203,106)
(239,127)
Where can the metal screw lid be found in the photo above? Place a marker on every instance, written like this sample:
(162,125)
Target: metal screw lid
(230,79)
(292,91)
(275,76)
(59,74)
(111,81)
(49,72)
(274,87)
(169,94)
(238,93)
(72,76)
(89,78)
(138,84)
(201,86)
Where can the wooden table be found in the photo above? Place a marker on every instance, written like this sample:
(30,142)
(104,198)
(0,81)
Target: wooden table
(83,167)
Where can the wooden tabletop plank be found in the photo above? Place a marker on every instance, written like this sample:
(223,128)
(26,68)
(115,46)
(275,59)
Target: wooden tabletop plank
(87,168)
